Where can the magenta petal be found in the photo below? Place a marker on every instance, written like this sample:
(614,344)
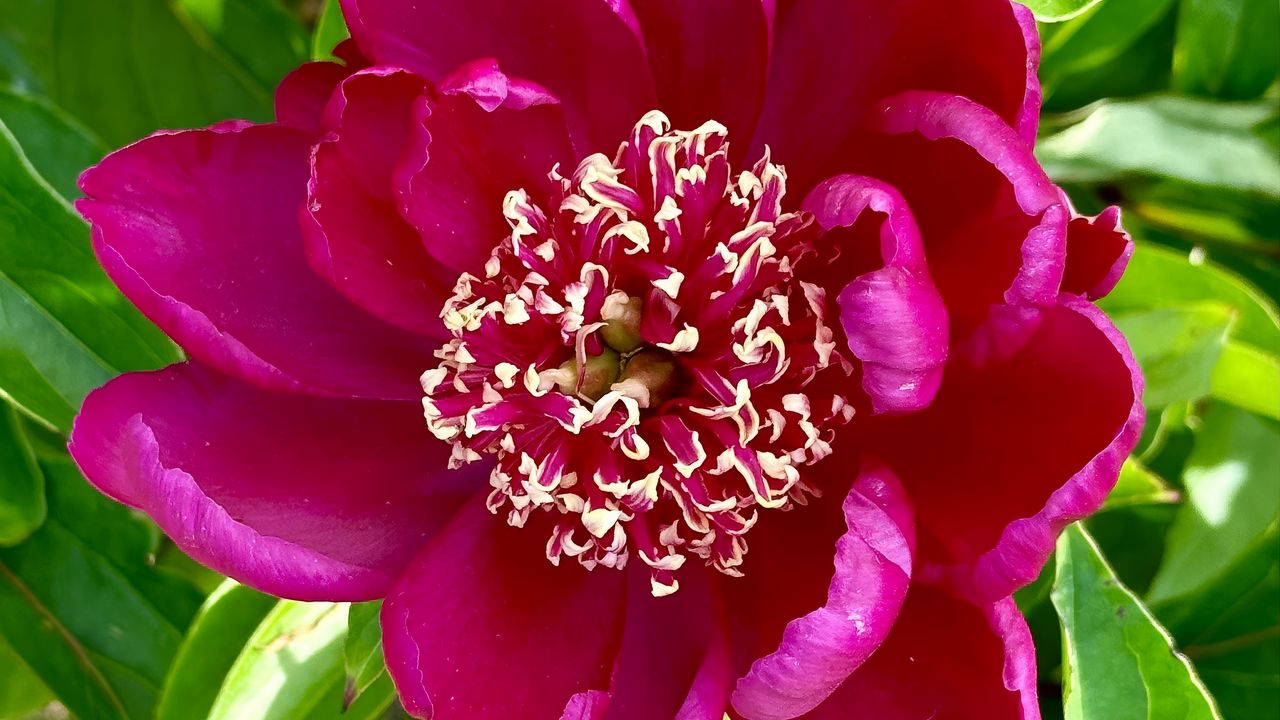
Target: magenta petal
(355,236)
(994,226)
(893,317)
(819,649)
(1015,451)
(200,230)
(1028,119)
(834,60)
(944,660)
(481,626)
(303,93)
(674,660)
(1098,250)
(588,52)
(307,498)
(486,135)
(709,58)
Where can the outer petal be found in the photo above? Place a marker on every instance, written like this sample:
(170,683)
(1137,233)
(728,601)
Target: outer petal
(303,93)
(355,236)
(588,52)
(892,315)
(834,60)
(1011,453)
(674,661)
(481,626)
(709,59)
(308,498)
(994,225)
(945,660)
(199,229)
(820,647)
(1028,120)
(1098,250)
(485,135)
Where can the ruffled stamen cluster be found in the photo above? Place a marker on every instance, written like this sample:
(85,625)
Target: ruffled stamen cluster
(641,358)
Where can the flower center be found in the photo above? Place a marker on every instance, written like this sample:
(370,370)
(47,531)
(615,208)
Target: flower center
(642,359)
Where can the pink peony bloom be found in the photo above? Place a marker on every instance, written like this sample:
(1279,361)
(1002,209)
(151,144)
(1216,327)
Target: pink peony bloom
(755,350)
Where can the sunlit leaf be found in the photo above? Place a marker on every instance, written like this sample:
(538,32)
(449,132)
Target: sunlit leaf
(1227,48)
(331,29)
(1177,348)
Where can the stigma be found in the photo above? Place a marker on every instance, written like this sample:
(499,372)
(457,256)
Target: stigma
(643,359)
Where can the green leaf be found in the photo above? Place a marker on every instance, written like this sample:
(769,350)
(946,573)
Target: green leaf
(1194,141)
(1100,34)
(81,604)
(64,328)
(1230,628)
(1248,378)
(259,38)
(58,147)
(1226,48)
(1177,348)
(1058,10)
(21,692)
(331,29)
(217,635)
(124,68)
(362,653)
(22,503)
(1233,493)
(292,668)
(1137,485)
(1120,663)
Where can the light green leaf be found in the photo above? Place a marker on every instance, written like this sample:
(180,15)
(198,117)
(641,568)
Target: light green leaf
(1119,663)
(64,328)
(292,669)
(58,147)
(258,38)
(81,604)
(22,503)
(215,639)
(1248,378)
(1138,485)
(1177,348)
(362,652)
(1233,493)
(1226,48)
(1230,628)
(1058,10)
(331,29)
(21,692)
(1194,141)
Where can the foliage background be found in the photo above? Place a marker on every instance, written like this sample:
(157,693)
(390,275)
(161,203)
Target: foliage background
(1168,107)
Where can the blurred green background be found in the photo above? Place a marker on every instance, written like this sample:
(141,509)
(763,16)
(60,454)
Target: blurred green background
(1169,108)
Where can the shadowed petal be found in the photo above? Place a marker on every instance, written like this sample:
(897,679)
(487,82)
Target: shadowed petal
(1098,250)
(482,627)
(944,660)
(200,230)
(307,498)
(826,638)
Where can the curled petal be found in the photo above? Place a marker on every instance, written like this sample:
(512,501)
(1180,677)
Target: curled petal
(303,93)
(944,660)
(481,626)
(307,498)
(820,647)
(200,230)
(893,317)
(1027,121)
(1016,450)
(1098,250)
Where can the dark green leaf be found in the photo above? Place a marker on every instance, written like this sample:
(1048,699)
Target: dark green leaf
(216,638)
(1177,348)
(1233,494)
(64,328)
(362,653)
(1194,141)
(1121,664)
(58,147)
(331,29)
(258,38)
(1099,35)
(1227,48)
(124,68)
(81,604)
(22,503)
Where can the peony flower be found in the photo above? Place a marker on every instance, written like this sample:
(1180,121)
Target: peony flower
(653,359)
